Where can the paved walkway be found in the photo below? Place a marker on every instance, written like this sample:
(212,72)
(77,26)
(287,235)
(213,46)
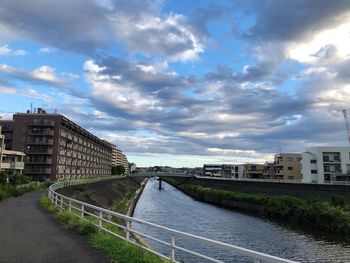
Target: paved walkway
(28,234)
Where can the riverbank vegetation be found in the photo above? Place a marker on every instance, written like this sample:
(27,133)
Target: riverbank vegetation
(117,249)
(16,185)
(332,217)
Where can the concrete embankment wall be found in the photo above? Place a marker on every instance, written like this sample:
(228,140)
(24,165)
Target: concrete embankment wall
(324,192)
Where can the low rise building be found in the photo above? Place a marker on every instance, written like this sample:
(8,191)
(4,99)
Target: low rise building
(326,165)
(237,171)
(224,170)
(132,168)
(269,170)
(11,162)
(287,166)
(212,170)
(253,171)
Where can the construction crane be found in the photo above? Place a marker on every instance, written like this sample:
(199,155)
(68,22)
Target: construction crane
(347,124)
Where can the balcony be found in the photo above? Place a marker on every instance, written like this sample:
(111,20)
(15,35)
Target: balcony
(42,123)
(38,171)
(13,165)
(39,151)
(40,133)
(48,161)
(41,142)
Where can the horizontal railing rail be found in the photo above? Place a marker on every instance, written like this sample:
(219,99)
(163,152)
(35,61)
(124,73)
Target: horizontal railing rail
(103,219)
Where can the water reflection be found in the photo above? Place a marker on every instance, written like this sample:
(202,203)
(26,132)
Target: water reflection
(170,207)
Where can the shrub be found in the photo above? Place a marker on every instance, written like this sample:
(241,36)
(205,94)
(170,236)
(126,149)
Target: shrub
(3,178)
(338,200)
(17,179)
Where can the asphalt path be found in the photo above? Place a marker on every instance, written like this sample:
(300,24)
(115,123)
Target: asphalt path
(28,234)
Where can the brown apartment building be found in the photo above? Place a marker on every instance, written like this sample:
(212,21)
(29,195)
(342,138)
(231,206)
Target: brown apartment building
(56,148)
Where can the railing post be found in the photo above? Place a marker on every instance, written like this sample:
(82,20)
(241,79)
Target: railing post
(61,202)
(127,234)
(256,260)
(70,206)
(100,221)
(172,252)
(82,211)
(56,200)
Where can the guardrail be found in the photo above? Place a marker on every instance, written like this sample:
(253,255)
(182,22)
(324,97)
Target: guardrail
(105,220)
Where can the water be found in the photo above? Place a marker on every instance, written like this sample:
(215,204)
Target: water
(170,207)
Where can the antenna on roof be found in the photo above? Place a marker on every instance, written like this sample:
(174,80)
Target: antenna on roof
(31,107)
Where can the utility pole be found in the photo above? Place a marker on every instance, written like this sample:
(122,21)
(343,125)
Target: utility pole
(347,125)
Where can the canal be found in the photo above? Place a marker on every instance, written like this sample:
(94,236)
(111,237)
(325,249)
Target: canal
(172,208)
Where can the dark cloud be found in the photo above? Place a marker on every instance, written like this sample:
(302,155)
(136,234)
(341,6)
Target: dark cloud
(79,26)
(294,19)
(87,26)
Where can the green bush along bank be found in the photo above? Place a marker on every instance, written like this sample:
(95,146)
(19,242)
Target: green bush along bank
(117,249)
(14,185)
(332,217)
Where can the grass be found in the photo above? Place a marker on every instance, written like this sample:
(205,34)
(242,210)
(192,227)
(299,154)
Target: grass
(117,249)
(9,190)
(331,217)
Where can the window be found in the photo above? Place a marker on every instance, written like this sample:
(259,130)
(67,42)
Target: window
(326,158)
(290,168)
(290,159)
(313,161)
(314,171)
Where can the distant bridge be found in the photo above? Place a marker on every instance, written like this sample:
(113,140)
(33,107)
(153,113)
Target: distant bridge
(160,174)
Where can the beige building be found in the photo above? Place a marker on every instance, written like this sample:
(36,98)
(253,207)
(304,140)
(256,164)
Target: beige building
(287,166)
(119,158)
(11,162)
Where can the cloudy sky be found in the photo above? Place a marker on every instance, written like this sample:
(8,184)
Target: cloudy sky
(183,83)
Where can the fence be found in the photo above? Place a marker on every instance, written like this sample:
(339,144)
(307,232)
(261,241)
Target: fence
(110,222)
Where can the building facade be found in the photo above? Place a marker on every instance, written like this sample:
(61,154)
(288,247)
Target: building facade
(58,149)
(253,171)
(11,162)
(212,170)
(224,170)
(287,166)
(119,158)
(237,171)
(326,165)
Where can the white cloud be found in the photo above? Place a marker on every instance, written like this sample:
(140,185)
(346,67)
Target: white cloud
(43,75)
(30,92)
(46,50)
(168,36)
(5,50)
(7,90)
(339,36)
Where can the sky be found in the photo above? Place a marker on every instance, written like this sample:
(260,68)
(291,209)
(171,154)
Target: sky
(183,83)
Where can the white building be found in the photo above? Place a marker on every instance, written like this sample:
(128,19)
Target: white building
(325,164)
(237,171)
(212,170)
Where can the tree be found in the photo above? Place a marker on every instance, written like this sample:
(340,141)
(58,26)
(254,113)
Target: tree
(118,170)
(18,179)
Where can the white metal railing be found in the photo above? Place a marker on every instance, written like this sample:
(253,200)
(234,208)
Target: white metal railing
(102,218)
